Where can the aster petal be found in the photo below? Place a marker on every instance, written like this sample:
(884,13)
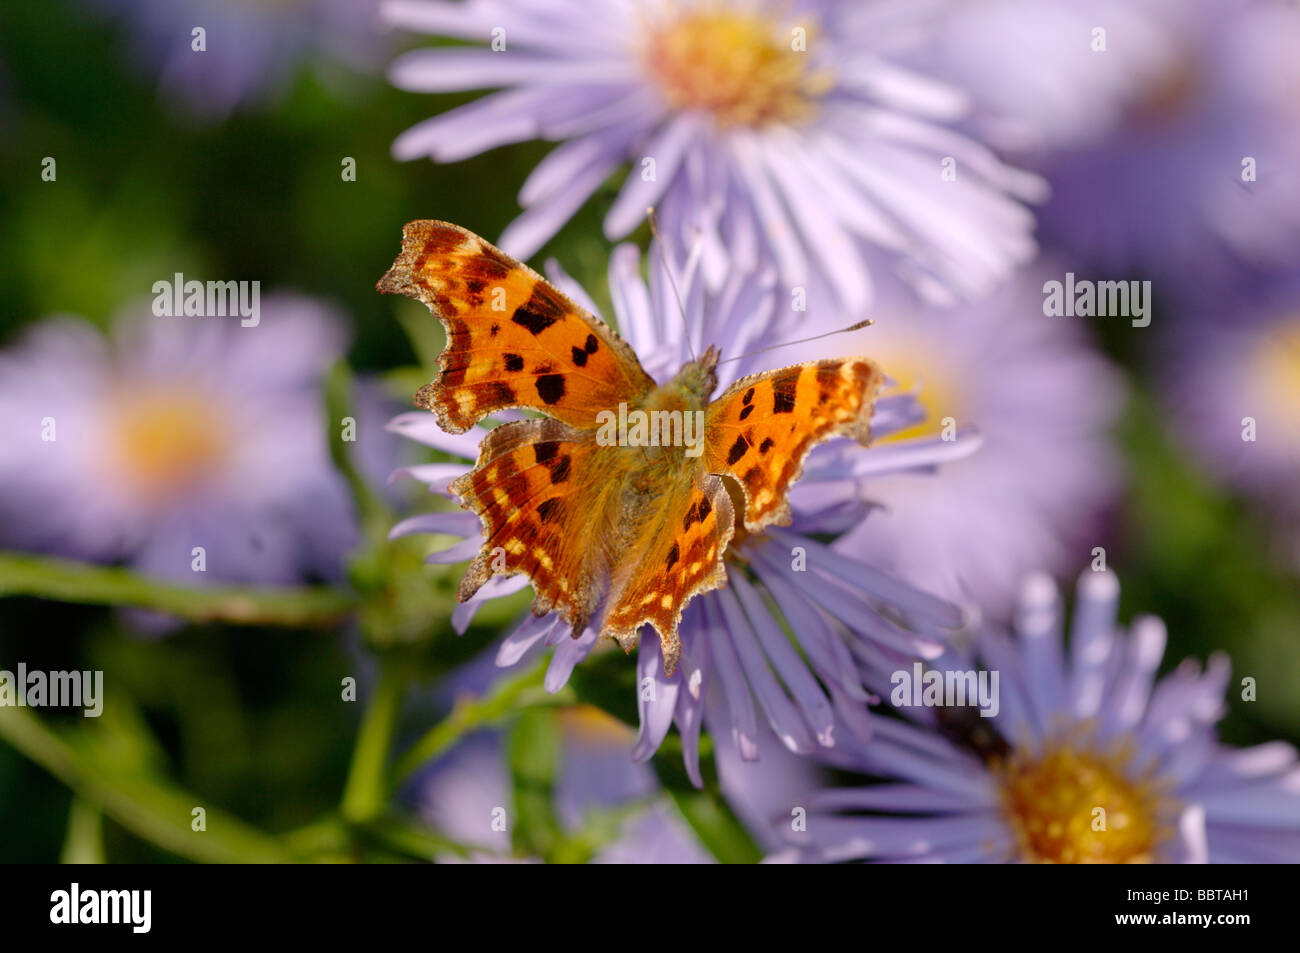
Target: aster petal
(527,637)
(434,475)
(568,653)
(453,524)
(657,710)
(495,120)
(422,427)
(781,714)
(740,704)
(808,694)
(667,146)
(461,552)
(494,588)
(451,69)
(918,606)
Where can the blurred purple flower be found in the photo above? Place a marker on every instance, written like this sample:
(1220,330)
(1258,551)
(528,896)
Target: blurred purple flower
(1232,380)
(842,612)
(250,47)
(1045,74)
(177,433)
(1093,730)
(1034,494)
(466,796)
(1203,161)
(769,130)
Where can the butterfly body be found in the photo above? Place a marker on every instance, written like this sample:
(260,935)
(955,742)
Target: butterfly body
(623,500)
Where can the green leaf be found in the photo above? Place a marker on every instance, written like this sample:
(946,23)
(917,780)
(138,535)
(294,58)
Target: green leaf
(150,807)
(23,574)
(533,758)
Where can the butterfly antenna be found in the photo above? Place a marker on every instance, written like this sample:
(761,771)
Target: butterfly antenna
(772,347)
(663,256)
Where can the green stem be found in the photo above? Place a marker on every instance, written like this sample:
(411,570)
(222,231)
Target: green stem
(22,574)
(366,793)
(507,697)
(84,843)
(150,808)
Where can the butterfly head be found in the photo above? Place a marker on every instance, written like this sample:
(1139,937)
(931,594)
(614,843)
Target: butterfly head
(699,378)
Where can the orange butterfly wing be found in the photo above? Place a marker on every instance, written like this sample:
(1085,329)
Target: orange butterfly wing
(760,430)
(543,491)
(680,555)
(512,339)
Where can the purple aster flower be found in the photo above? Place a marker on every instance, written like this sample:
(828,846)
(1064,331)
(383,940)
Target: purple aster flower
(1203,161)
(1089,758)
(176,433)
(1232,378)
(1034,494)
(766,129)
(249,47)
(466,796)
(841,612)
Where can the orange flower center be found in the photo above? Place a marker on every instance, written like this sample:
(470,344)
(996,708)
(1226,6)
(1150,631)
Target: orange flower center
(1075,804)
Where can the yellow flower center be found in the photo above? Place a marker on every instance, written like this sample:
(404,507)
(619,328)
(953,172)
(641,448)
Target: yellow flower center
(741,66)
(1075,804)
(1277,373)
(935,385)
(165,441)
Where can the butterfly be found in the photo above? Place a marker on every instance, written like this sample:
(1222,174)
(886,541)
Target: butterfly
(622,531)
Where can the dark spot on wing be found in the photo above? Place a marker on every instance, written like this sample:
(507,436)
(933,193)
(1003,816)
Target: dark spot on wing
(490,265)
(749,395)
(783,392)
(514,362)
(737,450)
(540,311)
(546,509)
(592,344)
(544,451)
(673,555)
(766,445)
(550,387)
(746,411)
(500,393)
(579,357)
(560,472)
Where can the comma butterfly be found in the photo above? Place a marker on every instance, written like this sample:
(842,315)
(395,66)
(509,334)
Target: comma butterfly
(633,528)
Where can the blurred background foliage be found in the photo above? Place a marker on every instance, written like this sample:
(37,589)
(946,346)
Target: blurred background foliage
(249,718)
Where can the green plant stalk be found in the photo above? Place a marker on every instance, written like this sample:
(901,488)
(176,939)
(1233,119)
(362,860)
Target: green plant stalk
(150,808)
(365,794)
(84,843)
(507,697)
(64,580)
